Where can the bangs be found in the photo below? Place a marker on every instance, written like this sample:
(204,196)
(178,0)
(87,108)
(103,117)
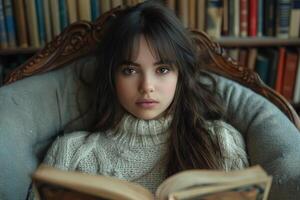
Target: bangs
(161,46)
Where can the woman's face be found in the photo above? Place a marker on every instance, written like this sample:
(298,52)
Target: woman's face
(146,87)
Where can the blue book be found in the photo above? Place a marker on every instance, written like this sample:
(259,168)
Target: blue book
(3,35)
(262,67)
(10,23)
(41,21)
(95,5)
(272,55)
(63,14)
(260,18)
(283,18)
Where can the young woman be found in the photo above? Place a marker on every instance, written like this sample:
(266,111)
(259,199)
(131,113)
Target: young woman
(158,109)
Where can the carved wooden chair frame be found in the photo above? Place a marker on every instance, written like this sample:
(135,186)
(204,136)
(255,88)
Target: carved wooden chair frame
(80,39)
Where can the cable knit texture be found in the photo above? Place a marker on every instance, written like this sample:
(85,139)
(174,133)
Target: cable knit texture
(136,150)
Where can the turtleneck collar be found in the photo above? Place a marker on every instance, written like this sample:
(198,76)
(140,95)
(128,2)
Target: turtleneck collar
(139,132)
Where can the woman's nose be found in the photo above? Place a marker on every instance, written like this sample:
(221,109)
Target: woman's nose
(147,85)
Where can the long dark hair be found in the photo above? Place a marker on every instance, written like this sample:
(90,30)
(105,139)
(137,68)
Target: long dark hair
(195,101)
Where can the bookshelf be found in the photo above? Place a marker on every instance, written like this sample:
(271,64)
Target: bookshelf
(245,28)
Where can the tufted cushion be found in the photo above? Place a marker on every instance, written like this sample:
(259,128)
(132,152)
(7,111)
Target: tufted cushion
(34,110)
(271,139)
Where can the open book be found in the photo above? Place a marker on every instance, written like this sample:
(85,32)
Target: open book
(251,183)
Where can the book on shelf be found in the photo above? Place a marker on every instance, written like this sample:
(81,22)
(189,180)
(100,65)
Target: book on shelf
(55,19)
(10,23)
(262,66)
(72,11)
(272,55)
(294,30)
(280,69)
(234,18)
(269,17)
(296,97)
(84,8)
(192,13)
(183,10)
(31,17)
(283,18)
(252,18)
(21,27)
(290,70)
(214,18)
(3,35)
(250,183)
(244,18)
(200,13)
(95,8)
(63,14)
(41,21)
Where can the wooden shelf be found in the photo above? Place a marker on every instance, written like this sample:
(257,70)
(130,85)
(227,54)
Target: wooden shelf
(257,42)
(14,51)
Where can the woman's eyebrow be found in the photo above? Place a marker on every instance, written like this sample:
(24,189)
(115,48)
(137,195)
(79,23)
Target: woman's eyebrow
(128,62)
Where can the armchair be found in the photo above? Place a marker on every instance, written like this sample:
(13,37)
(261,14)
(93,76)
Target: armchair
(41,98)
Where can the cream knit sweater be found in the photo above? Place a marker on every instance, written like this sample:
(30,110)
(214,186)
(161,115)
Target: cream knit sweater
(136,150)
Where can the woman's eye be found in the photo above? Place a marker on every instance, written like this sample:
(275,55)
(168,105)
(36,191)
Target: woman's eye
(163,70)
(128,71)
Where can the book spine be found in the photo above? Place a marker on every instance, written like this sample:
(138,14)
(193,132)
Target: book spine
(47,18)
(183,10)
(201,7)
(269,18)
(22,35)
(54,13)
(252,58)
(171,4)
(84,10)
(260,18)
(244,18)
(280,68)
(296,98)
(214,18)
(225,18)
(72,11)
(32,23)
(192,14)
(262,67)
(273,58)
(3,35)
(252,20)
(294,28)
(289,75)
(41,21)
(105,5)
(234,18)
(115,3)
(95,5)
(10,23)
(243,54)
(63,14)
(1,73)
(283,17)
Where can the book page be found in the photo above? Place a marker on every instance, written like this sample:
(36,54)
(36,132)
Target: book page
(65,182)
(207,178)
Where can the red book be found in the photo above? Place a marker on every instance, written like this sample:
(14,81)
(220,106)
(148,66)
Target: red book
(290,70)
(244,18)
(252,18)
(280,66)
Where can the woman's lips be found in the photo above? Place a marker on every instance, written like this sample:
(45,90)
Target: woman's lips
(147,103)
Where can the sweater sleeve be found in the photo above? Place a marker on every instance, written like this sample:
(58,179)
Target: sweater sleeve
(232,145)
